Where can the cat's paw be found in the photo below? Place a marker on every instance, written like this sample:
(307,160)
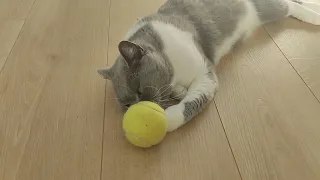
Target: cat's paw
(179,92)
(175,117)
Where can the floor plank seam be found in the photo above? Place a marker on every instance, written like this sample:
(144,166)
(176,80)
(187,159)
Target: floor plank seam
(105,96)
(225,133)
(103,123)
(24,22)
(291,64)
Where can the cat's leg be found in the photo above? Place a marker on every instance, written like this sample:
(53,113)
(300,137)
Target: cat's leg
(304,11)
(199,94)
(179,92)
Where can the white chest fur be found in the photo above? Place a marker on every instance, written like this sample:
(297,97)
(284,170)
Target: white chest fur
(187,61)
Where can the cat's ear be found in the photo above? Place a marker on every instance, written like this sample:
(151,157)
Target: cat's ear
(131,52)
(106,73)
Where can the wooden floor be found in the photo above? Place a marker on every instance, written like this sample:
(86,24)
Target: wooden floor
(59,119)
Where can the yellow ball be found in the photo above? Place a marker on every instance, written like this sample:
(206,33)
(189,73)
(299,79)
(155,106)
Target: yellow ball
(145,124)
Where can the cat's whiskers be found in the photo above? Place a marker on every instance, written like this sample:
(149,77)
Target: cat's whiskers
(167,100)
(156,94)
(166,105)
(177,96)
(161,94)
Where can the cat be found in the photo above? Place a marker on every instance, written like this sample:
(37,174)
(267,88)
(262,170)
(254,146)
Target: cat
(171,55)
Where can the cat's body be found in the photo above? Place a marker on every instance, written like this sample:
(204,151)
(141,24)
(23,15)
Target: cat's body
(172,54)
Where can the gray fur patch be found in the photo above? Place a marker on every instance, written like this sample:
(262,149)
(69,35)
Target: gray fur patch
(271,10)
(149,78)
(148,38)
(195,107)
(211,22)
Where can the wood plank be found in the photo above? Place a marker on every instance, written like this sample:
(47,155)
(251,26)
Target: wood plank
(123,16)
(9,31)
(199,150)
(12,16)
(270,116)
(15,9)
(300,43)
(51,98)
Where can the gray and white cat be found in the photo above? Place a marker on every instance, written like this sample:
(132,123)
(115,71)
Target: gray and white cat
(172,54)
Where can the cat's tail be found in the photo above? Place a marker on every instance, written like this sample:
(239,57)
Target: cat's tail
(305,11)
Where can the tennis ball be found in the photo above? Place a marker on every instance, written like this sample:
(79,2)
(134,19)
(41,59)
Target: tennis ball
(145,124)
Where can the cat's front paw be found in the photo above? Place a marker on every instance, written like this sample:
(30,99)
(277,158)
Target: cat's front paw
(175,117)
(179,92)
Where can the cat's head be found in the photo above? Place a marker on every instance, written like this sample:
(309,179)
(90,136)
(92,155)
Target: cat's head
(140,74)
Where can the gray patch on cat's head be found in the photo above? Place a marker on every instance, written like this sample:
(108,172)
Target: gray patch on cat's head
(141,72)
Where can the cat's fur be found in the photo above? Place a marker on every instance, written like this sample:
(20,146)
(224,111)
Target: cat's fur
(172,54)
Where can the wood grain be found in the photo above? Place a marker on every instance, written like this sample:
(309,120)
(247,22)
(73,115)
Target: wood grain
(124,14)
(15,9)
(300,43)
(12,17)
(51,98)
(9,31)
(270,116)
